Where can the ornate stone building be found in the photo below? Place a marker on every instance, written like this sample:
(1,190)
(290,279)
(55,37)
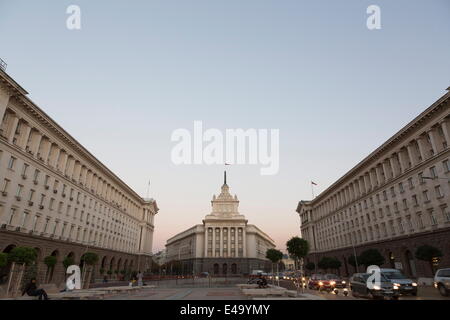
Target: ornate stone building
(395,200)
(57,197)
(224,244)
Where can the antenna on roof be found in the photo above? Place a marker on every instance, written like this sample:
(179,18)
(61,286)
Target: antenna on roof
(3,65)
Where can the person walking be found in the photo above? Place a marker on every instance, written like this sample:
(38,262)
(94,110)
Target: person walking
(32,290)
(140,276)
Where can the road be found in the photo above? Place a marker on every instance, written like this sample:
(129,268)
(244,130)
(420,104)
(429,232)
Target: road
(424,293)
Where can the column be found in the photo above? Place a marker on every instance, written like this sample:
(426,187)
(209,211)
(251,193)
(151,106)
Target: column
(229,242)
(13,122)
(206,243)
(4,100)
(214,242)
(387,175)
(412,155)
(24,134)
(422,147)
(434,141)
(394,166)
(35,141)
(244,242)
(446,130)
(221,241)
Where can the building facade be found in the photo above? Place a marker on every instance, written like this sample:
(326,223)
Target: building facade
(225,244)
(57,197)
(395,200)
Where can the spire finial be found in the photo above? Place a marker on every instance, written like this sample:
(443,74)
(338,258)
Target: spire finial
(225,177)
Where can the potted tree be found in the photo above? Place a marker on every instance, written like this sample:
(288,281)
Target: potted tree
(90,259)
(20,257)
(274,256)
(50,262)
(298,248)
(429,254)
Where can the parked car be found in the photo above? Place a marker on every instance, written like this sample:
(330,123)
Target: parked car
(442,281)
(406,286)
(336,281)
(319,282)
(360,288)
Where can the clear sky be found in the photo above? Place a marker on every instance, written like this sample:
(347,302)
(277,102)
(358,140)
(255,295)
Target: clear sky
(138,70)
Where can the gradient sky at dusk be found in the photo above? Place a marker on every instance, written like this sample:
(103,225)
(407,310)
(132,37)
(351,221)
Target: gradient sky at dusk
(140,69)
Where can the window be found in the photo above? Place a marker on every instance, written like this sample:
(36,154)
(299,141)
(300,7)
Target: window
(392,192)
(384,195)
(439,193)
(50,206)
(36,175)
(47,178)
(433,172)
(24,169)
(11,163)
(446,165)
(24,219)
(11,216)
(446,214)
(425,196)
(414,199)
(47,221)
(405,204)
(433,219)
(410,183)
(400,187)
(30,198)
(19,190)
(5,185)
(421,179)
(419,221)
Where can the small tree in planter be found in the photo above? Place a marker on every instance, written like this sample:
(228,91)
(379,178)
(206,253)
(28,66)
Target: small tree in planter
(428,254)
(67,262)
(274,256)
(122,273)
(50,262)
(109,273)
(90,259)
(3,259)
(21,256)
(102,271)
(371,257)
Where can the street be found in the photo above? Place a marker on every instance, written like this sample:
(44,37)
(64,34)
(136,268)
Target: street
(424,293)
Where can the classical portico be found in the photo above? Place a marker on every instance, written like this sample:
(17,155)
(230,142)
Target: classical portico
(225,241)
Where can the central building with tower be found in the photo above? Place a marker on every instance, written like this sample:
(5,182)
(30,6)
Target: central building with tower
(224,244)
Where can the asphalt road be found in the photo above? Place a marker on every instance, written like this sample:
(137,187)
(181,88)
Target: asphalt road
(424,293)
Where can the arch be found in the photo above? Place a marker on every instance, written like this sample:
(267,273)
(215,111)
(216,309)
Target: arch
(4,272)
(410,264)
(103,263)
(391,259)
(234,268)
(224,269)
(111,264)
(125,265)
(216,268)
(119,264)
(9,248)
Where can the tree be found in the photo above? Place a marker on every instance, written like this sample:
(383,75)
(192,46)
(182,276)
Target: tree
(324,263)
(90,258)
(274,256)
(310,266)
(50,261)
(371,257)
(335,264)
(22,255)
(68,261)
(3,259)
(298,248)
(428,254)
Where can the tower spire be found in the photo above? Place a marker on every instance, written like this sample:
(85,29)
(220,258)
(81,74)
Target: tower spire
(225,177)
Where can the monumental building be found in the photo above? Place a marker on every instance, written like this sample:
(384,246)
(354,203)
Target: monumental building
(224,244)
(56,197)
(394,200)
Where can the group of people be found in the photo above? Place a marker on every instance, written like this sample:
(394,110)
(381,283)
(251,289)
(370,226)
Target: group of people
(32,289)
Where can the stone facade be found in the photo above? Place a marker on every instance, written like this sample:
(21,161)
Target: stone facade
(56,196)
(224,244)
(395,199)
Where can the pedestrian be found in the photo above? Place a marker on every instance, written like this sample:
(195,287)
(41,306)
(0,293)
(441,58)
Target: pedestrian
(140,276)
(32,290)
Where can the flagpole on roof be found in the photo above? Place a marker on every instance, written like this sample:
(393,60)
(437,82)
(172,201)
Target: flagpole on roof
(312,189)
(148,189)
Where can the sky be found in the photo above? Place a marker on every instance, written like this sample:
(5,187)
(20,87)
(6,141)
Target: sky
(137,71)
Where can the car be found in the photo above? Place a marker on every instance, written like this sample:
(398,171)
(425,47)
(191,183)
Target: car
(319,282)
(384,290)
(336,281)
(406,286)
(442,281)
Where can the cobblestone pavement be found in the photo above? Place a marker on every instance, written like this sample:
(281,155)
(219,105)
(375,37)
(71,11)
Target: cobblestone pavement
(183,294)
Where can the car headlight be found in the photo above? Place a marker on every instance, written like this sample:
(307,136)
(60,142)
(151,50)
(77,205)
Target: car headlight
(395,287)
(397,284)
(320,283)
(332,283)
(375,287)
(435,285)
(343,282)
(414,284)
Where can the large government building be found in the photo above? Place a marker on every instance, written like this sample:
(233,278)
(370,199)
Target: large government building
(225,244)
(395,200)
(58,198)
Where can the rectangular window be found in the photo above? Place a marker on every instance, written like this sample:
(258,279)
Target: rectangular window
(433,172)
(36,175)
(24,169)
(425,196)
(19,190)
(5,185)
(415,201)
(11,216)
(30,198)
(410,183)
(439,193)
(400,187)
(433,219)
(11,163)
(446,165)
